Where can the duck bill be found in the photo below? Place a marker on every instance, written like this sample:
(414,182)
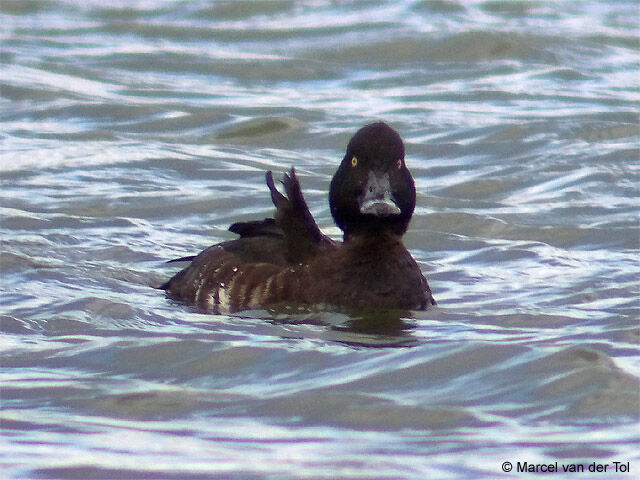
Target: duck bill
(377,198)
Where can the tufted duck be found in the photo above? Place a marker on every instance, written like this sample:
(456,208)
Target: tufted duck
(287,260)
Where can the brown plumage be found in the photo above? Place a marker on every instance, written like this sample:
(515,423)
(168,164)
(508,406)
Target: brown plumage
(287,261)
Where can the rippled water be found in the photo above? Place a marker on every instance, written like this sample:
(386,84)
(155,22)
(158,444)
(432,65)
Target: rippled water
(137,132)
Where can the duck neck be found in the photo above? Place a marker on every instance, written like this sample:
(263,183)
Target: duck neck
(370,238)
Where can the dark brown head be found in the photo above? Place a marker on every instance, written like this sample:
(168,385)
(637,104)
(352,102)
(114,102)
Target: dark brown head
(373,191)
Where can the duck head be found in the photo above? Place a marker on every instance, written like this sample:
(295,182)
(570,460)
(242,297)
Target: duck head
(373,192)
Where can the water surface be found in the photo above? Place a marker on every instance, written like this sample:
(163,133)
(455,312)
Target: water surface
(137,132)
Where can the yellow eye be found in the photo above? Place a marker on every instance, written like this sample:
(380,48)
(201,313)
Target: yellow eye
(399,164)
(354,161)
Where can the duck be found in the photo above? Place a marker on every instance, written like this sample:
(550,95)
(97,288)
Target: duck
(286,261)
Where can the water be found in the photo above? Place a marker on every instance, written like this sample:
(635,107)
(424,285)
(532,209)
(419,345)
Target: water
(137,132)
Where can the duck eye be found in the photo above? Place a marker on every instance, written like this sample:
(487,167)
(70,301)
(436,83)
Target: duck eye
(399,164)
(354,161)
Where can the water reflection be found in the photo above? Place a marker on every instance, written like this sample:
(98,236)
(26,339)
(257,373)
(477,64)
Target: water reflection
(361,327)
